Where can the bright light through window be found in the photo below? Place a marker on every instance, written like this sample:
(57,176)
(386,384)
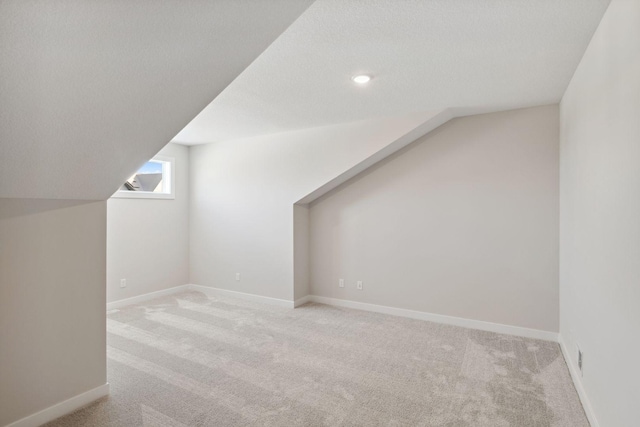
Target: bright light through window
(153,180)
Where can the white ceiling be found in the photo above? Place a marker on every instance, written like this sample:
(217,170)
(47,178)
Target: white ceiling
(477,55)
(89,90)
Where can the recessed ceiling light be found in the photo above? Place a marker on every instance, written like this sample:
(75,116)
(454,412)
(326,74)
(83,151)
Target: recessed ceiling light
(361,79)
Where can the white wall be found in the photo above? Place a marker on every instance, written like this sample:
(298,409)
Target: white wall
(242,196)
(600,216)
(52,302)
(91,88)
(148,239)
(464,223)
(301,259)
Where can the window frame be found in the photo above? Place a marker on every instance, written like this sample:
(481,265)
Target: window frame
(168,169)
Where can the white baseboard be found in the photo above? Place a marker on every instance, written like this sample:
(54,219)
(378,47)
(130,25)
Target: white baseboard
(439,318)
(300,301)
(146,297)
(62,408)
(249,297)
(413,314)
(577,382)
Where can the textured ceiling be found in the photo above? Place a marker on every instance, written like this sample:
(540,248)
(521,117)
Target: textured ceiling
(476,56)
(89,90)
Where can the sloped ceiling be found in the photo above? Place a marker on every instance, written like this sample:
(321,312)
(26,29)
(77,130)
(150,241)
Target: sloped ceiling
(89,90)
(424,55)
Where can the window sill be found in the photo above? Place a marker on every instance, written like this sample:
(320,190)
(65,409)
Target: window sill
(142,195)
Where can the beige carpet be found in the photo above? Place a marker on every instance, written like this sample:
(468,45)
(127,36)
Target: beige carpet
(189,360)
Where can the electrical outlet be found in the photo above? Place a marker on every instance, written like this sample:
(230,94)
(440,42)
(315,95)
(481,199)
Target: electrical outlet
(237,277)
(123,283)
(580,360)
(341,283)
(359,285)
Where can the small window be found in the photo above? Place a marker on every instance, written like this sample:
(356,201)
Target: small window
(154,180)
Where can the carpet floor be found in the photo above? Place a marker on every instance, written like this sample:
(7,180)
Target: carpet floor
(191,360)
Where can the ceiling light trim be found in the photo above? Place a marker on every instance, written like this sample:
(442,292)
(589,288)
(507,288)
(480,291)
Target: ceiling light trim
(362,79)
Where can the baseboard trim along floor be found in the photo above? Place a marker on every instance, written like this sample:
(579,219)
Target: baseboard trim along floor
(394,311)
(439,318)
(577,382)
(146,297)
(303,300)
(209,291)
(62,408)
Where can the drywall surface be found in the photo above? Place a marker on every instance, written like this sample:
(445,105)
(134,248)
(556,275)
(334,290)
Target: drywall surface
(243,191)
(300,251)
(464,222)
(52,302)
(91,89)
(599,216)
(488,56)
(148,239)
